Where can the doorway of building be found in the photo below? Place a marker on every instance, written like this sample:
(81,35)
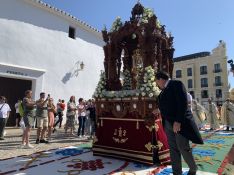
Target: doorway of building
(13,89)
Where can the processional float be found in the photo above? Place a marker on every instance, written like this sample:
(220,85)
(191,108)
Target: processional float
(127,93)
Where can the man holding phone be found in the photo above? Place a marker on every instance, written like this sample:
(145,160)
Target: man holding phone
(42,118)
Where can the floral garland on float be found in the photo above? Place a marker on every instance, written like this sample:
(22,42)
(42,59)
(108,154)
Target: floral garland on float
(146,89)
(127,82)
(149,87)
(117,24)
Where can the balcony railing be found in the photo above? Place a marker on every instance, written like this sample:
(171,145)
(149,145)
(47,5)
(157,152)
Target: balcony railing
(218,95)
(218,84)
(204,96)
(204,85)
(217,70)
(203,72)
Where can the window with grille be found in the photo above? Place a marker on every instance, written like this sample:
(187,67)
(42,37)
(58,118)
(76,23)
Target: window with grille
(189,71)
(203,70)
(204,94)
(190,83)
(204,82)
(217,68)
(218,81)
(218,93)
(178,73)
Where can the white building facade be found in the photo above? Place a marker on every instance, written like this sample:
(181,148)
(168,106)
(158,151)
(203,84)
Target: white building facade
(45,46)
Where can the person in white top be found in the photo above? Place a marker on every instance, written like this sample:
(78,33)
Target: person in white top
(81,117)
(17,114)
(4,114)
(190,99)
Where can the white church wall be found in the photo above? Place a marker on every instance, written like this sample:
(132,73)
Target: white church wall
(37,38)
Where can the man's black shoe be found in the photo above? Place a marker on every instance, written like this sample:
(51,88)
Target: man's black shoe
(37,141)
(44,141)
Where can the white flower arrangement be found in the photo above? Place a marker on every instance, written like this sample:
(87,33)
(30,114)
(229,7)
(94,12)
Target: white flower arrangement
(116,24)
(134,36)
(100,89)
(151,95)
(158,24)
(148,13)
(149,88)
(127,81)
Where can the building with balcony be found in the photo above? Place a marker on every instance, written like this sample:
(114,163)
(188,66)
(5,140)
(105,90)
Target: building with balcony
(204,74)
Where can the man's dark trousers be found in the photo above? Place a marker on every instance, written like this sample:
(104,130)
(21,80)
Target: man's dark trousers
(2,126)
(179,145)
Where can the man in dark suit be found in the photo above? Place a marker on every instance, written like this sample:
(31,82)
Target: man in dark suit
(178,122)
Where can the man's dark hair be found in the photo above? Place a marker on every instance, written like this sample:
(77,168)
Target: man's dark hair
(42,93)
(80,99)
(161,74)
(2,98)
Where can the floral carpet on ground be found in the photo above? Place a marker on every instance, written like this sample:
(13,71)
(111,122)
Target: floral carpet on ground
(217,153)
(214,157)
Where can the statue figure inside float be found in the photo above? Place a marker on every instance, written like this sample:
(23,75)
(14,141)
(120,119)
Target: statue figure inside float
(127,93)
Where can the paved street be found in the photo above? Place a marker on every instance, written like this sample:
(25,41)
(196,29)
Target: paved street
(10,146)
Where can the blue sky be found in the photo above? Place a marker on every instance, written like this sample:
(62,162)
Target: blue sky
(196,25)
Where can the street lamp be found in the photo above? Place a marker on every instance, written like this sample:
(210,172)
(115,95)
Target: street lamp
(82,65)
(79,66)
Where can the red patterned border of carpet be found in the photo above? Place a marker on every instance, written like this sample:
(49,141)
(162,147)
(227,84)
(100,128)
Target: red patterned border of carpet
(229,158)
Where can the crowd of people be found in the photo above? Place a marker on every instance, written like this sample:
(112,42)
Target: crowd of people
(44,115)
(213,115)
